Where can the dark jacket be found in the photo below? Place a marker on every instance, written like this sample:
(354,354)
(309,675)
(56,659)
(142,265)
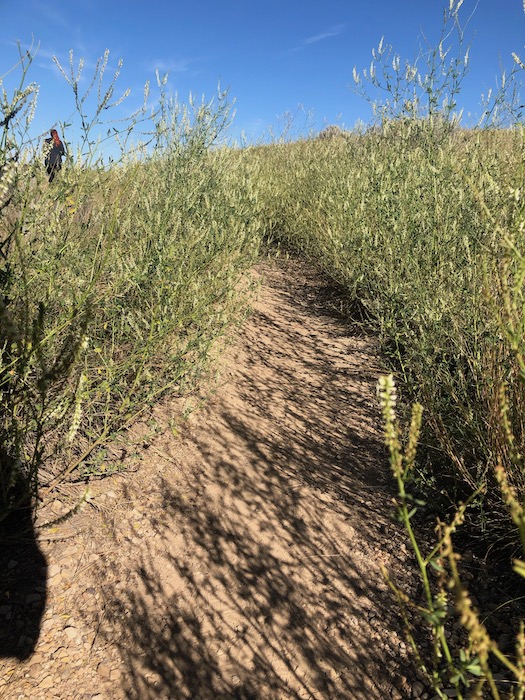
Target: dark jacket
(54,154)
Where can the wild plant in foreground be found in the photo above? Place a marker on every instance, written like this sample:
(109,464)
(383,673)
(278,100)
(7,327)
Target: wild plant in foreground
(469,669)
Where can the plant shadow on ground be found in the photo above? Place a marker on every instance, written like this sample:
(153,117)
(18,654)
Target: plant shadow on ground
(23,580)
(259,577)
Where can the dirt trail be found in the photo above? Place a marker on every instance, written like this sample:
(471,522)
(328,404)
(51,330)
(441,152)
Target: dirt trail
(241,560)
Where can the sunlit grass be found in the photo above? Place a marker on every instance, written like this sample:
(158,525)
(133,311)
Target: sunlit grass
(416,238)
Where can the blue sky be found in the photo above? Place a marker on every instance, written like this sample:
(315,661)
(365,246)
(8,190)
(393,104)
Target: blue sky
(276,57)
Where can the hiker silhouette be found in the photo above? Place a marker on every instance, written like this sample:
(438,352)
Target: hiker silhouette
(54,152)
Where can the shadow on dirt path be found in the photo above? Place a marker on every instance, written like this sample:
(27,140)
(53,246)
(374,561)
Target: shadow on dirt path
(242,559)
(261,578)
(23,576)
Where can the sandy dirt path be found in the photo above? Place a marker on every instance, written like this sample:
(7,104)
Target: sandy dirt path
(241,560)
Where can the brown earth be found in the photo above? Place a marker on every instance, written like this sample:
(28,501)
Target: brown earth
(239,556)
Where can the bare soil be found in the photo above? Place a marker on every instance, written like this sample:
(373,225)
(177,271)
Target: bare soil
(239,555)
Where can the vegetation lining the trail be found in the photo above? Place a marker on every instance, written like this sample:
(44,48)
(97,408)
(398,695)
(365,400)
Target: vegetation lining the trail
(427,243)
(116,281)
(420,222)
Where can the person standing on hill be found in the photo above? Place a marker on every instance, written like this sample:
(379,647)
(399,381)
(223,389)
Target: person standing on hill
(54,152)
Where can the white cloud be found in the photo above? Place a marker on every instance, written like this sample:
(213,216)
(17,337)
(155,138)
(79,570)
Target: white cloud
(331,32)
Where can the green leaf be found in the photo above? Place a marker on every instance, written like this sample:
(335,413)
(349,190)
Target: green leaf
(434,564)
(474,668)
(456,677)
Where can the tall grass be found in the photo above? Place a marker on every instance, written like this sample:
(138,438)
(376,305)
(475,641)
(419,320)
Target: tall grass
(416,236)
(421,223)
(115,285)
